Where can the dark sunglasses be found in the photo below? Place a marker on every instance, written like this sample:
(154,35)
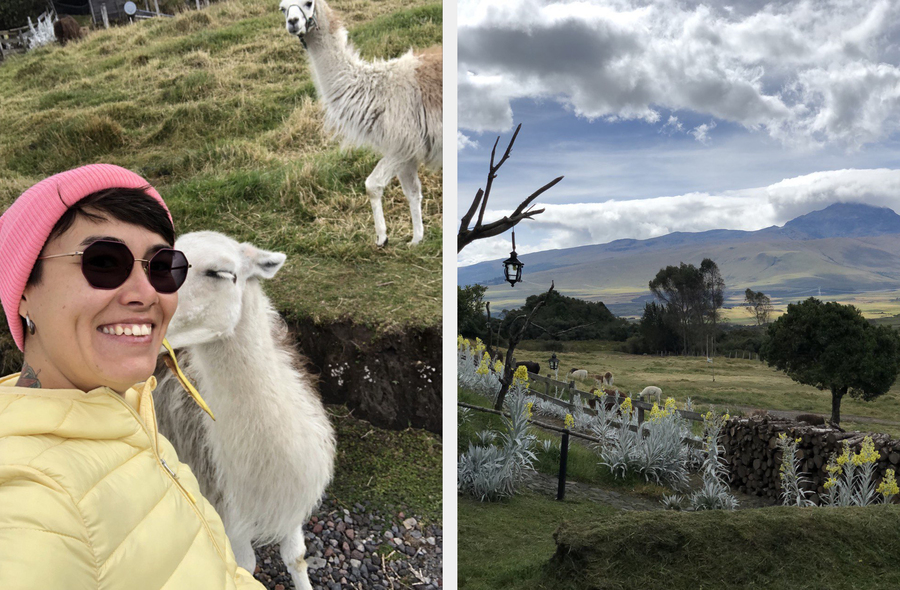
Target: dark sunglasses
(107,265)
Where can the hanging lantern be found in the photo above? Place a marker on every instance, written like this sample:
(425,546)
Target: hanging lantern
(554,362)
(512,267)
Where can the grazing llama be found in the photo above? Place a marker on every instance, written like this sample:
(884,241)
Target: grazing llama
(266,460)
(579,374)
(393,106)
(650,391)
(603,379)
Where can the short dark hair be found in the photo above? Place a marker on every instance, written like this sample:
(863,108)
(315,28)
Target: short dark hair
(130,205)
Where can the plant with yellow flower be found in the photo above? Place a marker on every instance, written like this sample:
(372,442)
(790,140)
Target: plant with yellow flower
(570,422)
(714,494)
(851,480)
(660,456)
(520,377)
(864,461)
(888,486)
(794,483)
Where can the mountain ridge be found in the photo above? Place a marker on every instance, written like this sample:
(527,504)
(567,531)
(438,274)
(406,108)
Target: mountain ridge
(846,247)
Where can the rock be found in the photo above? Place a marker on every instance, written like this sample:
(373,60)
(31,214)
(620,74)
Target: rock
(410,523)
(315,563)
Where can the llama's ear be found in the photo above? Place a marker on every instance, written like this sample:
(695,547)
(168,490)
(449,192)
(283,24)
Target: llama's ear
(261,264)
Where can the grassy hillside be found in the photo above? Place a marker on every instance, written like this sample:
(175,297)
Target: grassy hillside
(217,109)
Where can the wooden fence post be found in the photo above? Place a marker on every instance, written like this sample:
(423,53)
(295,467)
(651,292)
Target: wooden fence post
(640,411)
(105,16)
(156,6)
(563,461)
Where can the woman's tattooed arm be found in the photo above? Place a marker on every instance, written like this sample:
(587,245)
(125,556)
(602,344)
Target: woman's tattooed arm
(28,378)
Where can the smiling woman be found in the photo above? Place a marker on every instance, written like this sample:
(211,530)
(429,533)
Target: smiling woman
(91,323)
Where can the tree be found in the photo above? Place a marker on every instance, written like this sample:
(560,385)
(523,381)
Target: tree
(714,296)
(832,346)
(470,310)
(480,231)
(569,318)
(15,13)
(758,304)
(681,289)
(658,329)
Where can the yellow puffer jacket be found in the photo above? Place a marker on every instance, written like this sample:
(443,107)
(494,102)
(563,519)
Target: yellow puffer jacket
(91,496)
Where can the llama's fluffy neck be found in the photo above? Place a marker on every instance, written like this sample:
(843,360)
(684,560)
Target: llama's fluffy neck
(246,359)
(335,63)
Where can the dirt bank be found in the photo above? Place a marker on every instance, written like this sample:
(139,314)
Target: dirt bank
(391,380)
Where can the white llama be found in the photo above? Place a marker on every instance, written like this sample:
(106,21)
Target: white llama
(393,106)
(650,391)
(266,460)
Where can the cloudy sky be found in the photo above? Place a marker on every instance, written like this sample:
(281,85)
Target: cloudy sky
(676,115)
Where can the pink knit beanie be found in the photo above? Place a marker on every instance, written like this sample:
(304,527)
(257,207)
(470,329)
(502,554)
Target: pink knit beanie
(26,225)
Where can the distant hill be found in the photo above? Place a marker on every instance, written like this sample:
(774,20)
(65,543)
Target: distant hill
(844,248)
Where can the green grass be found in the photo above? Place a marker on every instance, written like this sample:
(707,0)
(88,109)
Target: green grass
(779,547)
(393,470)
(506,544)
(218,110)
(737,382)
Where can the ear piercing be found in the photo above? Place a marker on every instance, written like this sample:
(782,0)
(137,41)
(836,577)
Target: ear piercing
(29,324)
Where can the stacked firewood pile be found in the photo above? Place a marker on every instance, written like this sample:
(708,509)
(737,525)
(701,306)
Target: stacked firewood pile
(754,459)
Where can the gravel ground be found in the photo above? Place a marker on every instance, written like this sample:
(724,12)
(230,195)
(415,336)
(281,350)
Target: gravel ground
(362,548)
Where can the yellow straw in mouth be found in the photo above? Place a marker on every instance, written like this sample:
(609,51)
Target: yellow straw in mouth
(184,380)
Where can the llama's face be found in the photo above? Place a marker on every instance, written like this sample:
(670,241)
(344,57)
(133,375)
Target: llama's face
(299,16)
(210,300)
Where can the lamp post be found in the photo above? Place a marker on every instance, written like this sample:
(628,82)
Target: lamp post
(554,365)
(512,267)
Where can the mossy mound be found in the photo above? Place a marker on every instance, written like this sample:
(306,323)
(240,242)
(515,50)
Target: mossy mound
(779,547)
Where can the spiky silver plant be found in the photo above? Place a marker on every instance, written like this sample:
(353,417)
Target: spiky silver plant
(793,492)
(492,472)
(714,493)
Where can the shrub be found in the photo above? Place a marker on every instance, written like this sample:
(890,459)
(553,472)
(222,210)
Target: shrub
(492,472)
(714,494)
(792,479)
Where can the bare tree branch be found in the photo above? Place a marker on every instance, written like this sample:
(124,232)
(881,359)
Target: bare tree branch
(480,231)
(514,338)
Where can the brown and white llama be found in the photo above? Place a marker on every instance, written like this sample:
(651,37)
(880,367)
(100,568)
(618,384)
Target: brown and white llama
(393,106)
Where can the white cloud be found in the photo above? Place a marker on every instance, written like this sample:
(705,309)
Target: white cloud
(463,141)
(805,73)
(578,224)
(701,132)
